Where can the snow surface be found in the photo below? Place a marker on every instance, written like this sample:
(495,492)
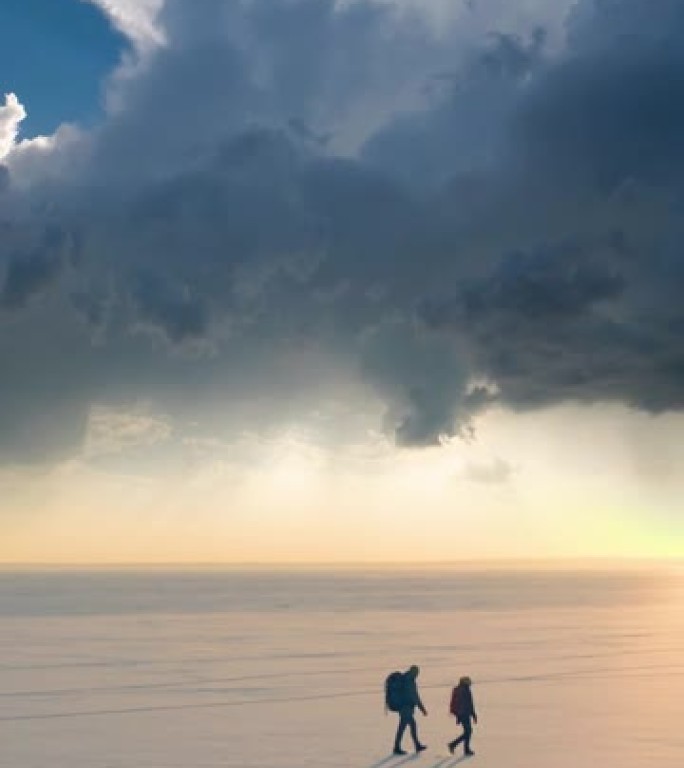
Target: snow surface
(283,670)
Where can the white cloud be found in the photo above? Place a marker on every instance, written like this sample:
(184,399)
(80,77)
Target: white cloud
(11,115)
(45,158)
(137,19)
(115,431)
(491,472)
(33,158)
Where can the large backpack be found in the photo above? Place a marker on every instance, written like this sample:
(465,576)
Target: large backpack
(455,701)
(395,691)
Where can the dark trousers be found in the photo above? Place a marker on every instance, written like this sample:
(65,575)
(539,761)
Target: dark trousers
(467,724)
(406,720)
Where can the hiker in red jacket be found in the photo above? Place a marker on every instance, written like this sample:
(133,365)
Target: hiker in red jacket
(463,707)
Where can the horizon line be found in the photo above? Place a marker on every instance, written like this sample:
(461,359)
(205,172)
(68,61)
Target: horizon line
(494,562)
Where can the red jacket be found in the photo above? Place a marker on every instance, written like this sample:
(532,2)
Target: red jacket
(462,704)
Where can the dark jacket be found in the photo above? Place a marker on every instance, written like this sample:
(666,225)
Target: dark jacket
(466,705)
(411,695)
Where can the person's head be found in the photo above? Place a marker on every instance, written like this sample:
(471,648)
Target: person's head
(414,671)
(465,681)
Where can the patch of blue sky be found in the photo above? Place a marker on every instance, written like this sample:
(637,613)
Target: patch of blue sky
(55,55)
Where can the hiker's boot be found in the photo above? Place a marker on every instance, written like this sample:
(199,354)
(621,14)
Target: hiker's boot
(420,747)
(399,751)
(469,753)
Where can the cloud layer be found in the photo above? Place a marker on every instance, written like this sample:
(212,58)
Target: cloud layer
(300,203)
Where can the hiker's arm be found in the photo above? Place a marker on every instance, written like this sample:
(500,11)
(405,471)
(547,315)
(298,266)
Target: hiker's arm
(419,703)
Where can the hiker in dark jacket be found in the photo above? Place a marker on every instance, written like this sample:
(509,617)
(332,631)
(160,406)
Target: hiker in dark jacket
(463,707)
(411,700)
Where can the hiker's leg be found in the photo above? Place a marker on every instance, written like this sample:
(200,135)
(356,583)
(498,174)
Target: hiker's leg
(403,722)
(459,739)
(453,744)
(467,734)
(414,730)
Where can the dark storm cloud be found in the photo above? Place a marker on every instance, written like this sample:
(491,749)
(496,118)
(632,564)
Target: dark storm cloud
(613,110)
(29,274)
(171,309)
(546,326)
(419,378)
(595,142)
(4,178)
(26,276)
(518,226)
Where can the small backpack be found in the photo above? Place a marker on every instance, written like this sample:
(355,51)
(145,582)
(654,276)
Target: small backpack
(395,691)
(455,701)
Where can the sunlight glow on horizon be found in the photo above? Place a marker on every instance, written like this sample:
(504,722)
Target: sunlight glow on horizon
(303,504)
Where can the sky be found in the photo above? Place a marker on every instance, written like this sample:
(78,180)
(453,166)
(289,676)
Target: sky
(77,48)
(319,281)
